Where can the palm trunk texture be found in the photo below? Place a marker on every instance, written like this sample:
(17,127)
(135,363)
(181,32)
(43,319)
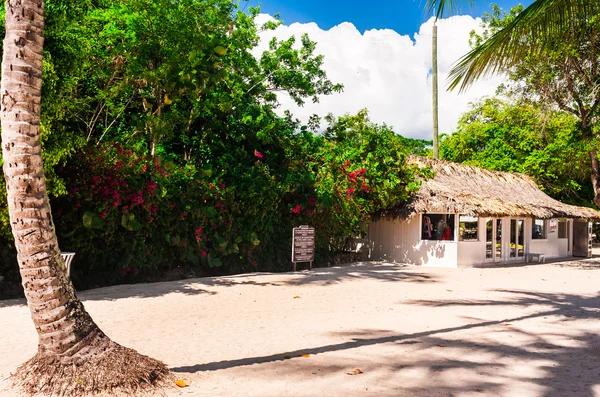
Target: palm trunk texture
(74,356)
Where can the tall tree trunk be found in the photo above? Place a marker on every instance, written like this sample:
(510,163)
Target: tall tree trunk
(595,176)
(74,356)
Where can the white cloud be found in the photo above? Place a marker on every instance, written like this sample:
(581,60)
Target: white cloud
(388,73)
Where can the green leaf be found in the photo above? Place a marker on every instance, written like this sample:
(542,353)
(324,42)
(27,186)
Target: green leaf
(219,50)
(207,171)
(92,221)
(211,212)
(214,262)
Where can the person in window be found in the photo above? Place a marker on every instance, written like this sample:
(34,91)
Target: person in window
(439,229)
(536,232)
(447,233)
(427,229)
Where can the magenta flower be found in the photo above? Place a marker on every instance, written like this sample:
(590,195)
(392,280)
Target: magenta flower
(258,154)
(297,209)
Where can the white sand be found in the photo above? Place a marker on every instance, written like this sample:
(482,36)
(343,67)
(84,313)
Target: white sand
(516,331)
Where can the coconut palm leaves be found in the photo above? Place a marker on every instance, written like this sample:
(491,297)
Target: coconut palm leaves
(539,25)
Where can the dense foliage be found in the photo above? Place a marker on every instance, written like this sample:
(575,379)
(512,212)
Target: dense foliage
(522,137)
(563,77)
(163,148)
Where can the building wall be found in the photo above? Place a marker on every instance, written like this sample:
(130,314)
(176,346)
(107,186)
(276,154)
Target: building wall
(552,246)
(400,241)
(472,252)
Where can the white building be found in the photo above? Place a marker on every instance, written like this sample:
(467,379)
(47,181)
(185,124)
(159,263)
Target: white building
(467,216)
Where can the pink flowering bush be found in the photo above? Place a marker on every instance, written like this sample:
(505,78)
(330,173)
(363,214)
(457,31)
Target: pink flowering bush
(129,215)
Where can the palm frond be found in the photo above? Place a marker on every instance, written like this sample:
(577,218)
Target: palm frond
(439,8)
(538,25)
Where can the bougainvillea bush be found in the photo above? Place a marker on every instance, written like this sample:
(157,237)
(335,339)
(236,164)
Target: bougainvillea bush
(164,149)
(130,216)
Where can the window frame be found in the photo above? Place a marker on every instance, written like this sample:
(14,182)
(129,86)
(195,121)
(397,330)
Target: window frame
(566,229)
(545,229)
(448,217)
(460,233)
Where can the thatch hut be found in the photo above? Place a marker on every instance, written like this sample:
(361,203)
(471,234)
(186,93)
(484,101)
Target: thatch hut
(467,216)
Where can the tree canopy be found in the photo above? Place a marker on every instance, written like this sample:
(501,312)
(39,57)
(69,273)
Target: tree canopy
(520,136)
(165,150)
(541,26)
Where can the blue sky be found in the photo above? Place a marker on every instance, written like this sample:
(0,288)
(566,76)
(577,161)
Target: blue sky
(403,16)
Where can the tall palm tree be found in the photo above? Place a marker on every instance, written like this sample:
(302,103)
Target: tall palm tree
(74,355)
(541,20)
(539,29)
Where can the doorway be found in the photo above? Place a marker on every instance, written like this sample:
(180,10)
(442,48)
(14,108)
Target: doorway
(494,245)
(582,238)
(517,239)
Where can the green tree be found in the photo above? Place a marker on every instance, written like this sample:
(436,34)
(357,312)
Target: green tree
(522,137)
(360,170)
(74,355)
(550,51)
(171,92)
(540,25)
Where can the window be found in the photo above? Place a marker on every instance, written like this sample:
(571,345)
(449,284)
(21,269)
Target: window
(563,228)
(539,230)
(468,228)
(437,227)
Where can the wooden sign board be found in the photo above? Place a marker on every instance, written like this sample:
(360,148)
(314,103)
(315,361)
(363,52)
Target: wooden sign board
(303,245)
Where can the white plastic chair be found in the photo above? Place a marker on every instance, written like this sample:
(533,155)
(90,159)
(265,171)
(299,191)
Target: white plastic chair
(68,258)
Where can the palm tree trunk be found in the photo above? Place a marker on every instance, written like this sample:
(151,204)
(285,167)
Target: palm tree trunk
(71,346)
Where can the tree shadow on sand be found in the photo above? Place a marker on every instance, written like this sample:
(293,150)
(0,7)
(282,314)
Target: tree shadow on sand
(468,359)
(384,272)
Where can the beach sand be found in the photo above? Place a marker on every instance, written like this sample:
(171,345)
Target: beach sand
(525,331)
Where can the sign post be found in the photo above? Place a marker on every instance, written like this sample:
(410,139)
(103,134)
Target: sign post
(303,245)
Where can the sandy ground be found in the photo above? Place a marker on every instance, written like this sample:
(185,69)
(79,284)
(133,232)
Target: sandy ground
(514,331)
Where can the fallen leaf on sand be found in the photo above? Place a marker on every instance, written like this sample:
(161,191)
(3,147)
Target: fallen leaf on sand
(441,346)
(355,372)
(304,355)
(449,290)
(287,356)
(507,324)
(181,383)
(296,297)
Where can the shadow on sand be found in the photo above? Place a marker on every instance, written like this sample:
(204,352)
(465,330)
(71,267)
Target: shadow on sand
(384,272)
(567,370)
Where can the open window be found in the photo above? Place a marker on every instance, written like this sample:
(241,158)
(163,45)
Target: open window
(468,228)
(437,227)
(539,230)
(563,228)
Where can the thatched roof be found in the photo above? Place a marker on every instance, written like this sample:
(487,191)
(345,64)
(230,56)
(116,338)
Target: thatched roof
(469,190)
